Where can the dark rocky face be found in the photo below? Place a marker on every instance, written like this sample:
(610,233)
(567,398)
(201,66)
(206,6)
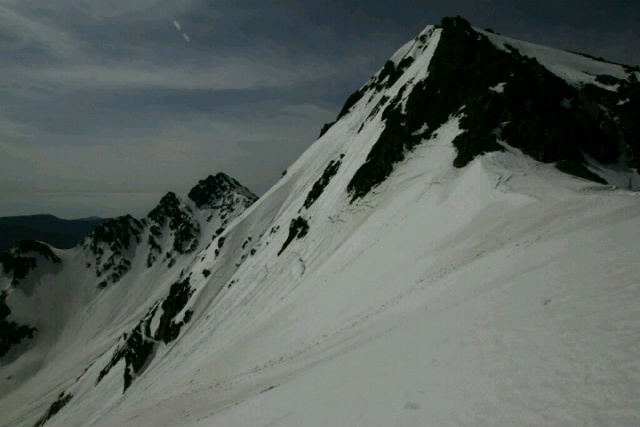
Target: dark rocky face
(113,246)
(11,333)
(137,346)
(20,260)
(537,112)
(184,227)
(297,230)
(116,233)
(322,182)
(115,236)
(55,407)
(209,191)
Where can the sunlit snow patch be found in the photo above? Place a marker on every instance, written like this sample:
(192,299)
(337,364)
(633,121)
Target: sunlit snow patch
(498,88)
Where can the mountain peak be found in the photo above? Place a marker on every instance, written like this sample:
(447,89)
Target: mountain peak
(214,188)
(455,21)
(169,206)
(169,199)
(506,94)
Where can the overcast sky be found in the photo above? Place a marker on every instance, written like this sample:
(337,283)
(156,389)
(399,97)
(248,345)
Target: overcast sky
(107,105)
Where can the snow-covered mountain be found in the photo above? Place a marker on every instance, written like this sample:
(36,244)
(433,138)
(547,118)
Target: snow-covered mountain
(116,272)
(458,248)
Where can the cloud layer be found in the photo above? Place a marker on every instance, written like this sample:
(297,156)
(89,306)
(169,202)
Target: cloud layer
(149,96)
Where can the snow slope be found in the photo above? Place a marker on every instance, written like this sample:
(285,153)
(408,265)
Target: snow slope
(499,293)
(573,67)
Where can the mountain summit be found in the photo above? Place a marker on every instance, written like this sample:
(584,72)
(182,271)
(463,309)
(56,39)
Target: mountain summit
(458,248)
(213,189)
(562,109)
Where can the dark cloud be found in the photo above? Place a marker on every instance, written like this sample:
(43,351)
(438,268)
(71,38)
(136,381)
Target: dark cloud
(111,96)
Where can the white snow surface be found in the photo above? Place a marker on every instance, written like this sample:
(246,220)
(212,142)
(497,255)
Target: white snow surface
(502,293)
(571,67)
(498,88)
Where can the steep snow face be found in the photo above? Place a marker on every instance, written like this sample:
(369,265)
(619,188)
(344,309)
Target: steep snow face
(573,67)
(420,263)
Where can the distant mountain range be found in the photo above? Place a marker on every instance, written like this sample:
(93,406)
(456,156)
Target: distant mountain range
(59,233)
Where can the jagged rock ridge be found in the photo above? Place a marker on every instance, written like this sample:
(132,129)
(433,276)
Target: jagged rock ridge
(136,347)
(502,97)
(213,190)
(178,218)
(111,246)
(21,259)
(117,245)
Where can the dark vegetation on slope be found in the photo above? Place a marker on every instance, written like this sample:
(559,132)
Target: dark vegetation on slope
(536,112)
(59,233)
(319,186)
(55,407)
(137,347)
(17,263)
(11,333)
(297,229)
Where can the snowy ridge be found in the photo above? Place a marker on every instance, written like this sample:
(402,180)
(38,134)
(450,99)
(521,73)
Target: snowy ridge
(573,67)
(496,292)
